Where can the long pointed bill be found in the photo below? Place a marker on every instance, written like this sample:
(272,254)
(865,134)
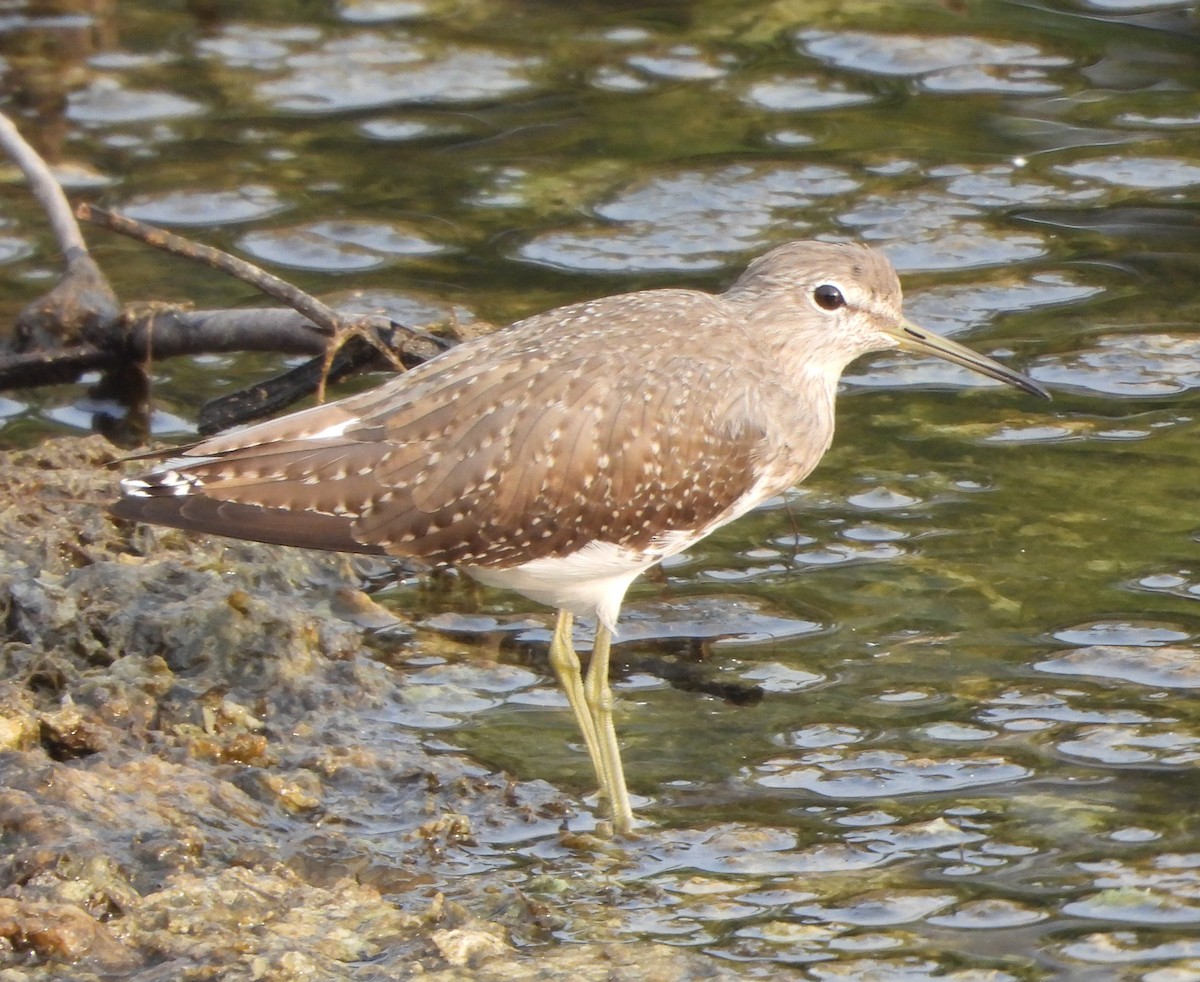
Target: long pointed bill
(913,338)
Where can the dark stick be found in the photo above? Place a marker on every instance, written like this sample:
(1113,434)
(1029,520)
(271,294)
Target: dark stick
(36,368)
(269,397)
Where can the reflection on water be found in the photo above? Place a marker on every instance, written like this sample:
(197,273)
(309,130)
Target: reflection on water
(974,632)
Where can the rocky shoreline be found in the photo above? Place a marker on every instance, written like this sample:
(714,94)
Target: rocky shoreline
(185,753)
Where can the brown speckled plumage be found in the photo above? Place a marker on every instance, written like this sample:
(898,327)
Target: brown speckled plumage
(565,454)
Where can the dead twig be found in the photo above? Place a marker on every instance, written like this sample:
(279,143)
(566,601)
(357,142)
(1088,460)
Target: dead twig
(269,397)
(82,306)
(33,369)
(45,188)
(79,326)
(324,316)
(339,329)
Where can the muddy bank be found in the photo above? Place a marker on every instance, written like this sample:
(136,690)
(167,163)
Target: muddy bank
(186,747)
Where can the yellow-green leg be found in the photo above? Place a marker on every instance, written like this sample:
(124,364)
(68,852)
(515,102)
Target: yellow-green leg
(598,694)
(565,663)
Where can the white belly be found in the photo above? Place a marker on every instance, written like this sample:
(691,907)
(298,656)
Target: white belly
(589,583)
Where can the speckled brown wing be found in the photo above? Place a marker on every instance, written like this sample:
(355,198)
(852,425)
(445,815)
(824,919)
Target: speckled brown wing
(528,444)
(587,457)
(261,496)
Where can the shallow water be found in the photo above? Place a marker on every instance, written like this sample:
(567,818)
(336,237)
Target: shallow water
(974,628)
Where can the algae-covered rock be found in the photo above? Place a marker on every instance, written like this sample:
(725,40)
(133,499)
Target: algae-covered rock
(201,775)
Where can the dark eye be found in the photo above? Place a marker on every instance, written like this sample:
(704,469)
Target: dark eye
(829,297)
